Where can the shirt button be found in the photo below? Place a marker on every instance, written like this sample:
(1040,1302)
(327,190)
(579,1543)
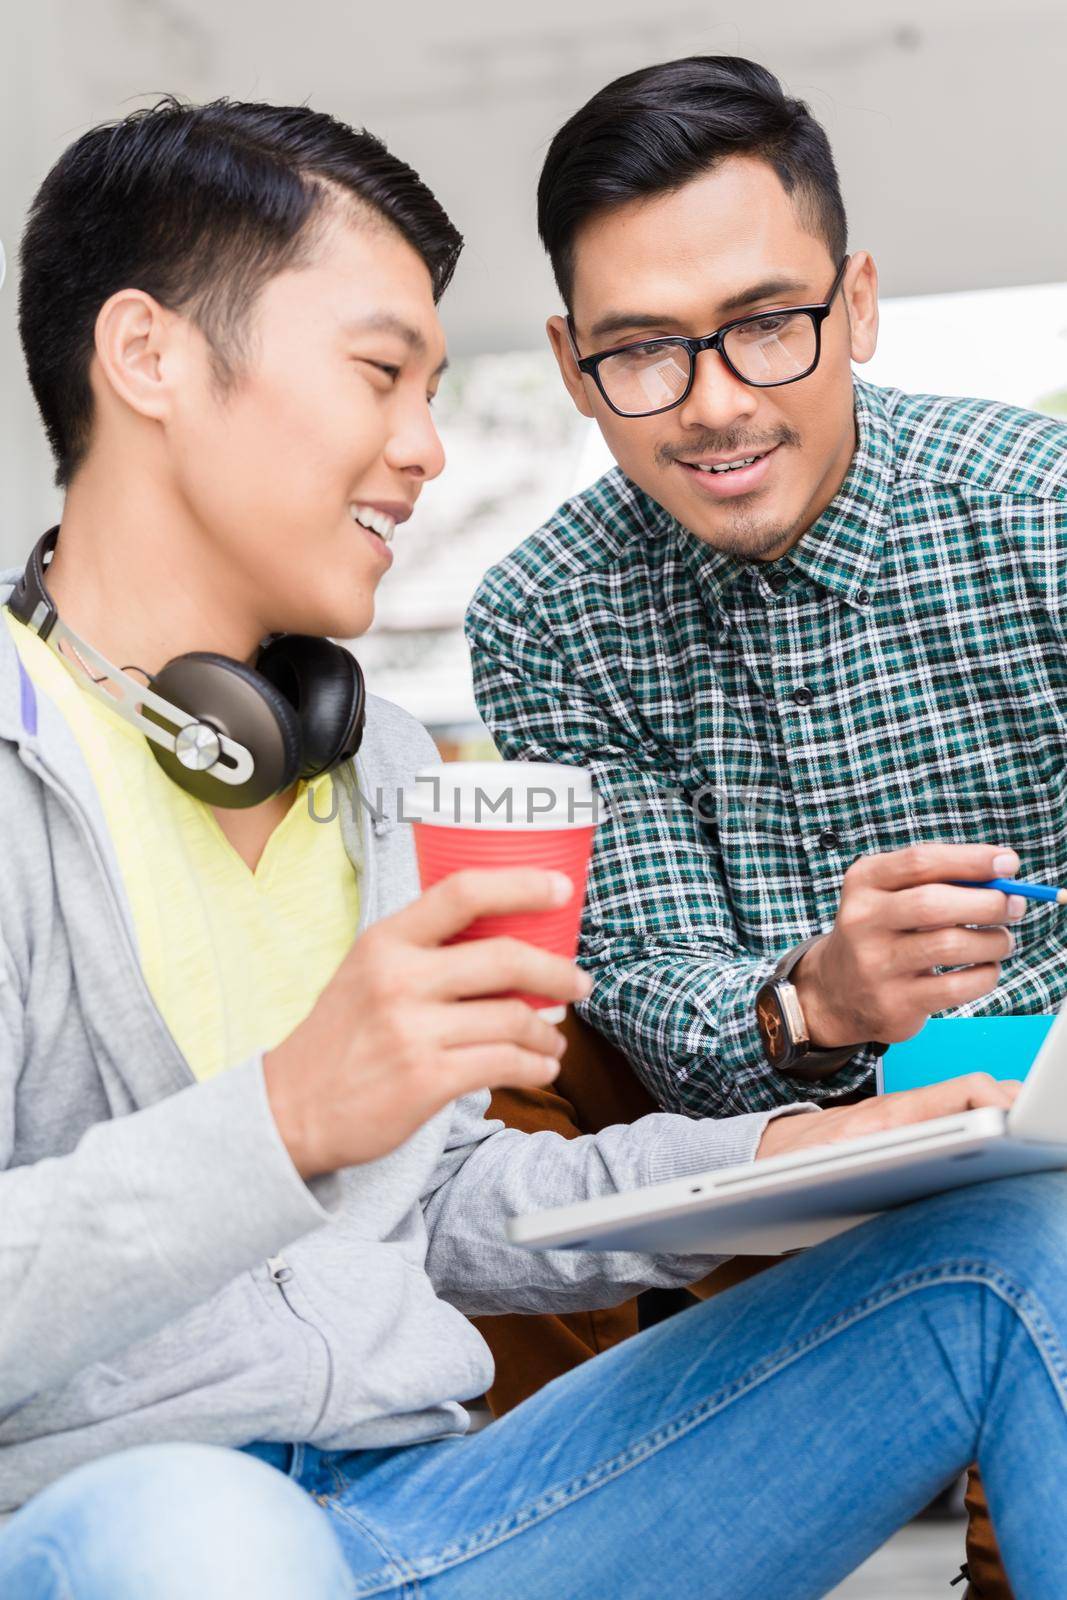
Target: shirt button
(803,696)
(829,840)
(777,581)
(863,598)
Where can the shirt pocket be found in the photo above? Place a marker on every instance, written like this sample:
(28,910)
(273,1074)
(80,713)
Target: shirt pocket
(1027,813)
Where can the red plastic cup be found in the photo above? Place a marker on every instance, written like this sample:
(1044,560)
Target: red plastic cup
(508,814)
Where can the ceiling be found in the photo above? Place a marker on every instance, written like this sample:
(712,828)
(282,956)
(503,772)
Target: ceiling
(945,118)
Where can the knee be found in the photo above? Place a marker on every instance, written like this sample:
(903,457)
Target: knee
(1017,1226)
(181,1519)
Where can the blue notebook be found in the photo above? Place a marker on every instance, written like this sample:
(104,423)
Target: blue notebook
(948,1047)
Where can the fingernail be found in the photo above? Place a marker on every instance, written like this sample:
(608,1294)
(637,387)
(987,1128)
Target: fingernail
(585,985)
(1016,907)
(551,1064)
(562,888)
(1006,862)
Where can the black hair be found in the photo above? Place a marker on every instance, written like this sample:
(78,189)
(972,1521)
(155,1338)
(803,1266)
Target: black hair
(199,206)
(654,130)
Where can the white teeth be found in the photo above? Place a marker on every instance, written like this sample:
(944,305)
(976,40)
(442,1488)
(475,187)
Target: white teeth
(377,521)
(727,466)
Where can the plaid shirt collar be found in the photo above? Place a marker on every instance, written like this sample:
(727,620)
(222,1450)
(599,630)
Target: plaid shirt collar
(842,550)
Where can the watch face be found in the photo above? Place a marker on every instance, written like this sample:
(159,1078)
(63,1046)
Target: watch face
(770,1020)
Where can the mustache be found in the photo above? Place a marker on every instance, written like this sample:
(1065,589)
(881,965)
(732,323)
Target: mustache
(723,444)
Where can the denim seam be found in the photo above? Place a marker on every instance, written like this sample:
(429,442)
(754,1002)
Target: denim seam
(398,1567)
(1020,1301)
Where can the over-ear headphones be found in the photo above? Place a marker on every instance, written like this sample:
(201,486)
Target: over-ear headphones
(229,734)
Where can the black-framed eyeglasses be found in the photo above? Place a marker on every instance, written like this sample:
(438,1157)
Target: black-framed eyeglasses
(767,349)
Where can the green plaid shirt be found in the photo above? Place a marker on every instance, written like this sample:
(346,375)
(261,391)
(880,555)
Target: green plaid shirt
(900,675)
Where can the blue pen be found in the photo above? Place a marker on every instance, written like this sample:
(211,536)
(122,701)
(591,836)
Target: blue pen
(1029,891)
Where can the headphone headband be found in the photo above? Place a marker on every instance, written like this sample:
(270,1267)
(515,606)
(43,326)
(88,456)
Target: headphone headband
(30,600)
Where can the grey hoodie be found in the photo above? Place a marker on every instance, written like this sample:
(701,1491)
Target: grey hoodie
(165,1273)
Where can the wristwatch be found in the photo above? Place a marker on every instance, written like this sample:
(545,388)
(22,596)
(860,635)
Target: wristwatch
(783,1031)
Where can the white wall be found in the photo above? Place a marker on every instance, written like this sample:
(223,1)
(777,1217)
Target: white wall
(946,119)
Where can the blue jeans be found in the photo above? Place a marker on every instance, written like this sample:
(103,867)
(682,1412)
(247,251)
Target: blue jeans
(761,1444)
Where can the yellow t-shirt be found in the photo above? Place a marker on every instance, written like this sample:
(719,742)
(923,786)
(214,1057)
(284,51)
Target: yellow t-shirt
(234,959)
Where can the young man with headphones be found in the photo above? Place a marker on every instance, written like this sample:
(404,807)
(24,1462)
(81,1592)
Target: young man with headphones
(249,1190)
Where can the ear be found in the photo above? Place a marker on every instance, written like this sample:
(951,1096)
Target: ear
(860,289)
(559,337)
(135,342)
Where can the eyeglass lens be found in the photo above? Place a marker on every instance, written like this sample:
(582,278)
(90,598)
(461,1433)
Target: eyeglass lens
(766,350)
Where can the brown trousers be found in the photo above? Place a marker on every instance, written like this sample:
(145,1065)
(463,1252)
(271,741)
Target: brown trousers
(597,1089)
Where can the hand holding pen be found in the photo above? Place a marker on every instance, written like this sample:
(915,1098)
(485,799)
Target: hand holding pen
(904,917)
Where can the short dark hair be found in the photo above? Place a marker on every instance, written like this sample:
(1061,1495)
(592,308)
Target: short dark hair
(654,130)
(199,206)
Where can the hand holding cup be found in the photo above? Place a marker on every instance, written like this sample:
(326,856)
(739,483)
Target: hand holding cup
(495,814)
(404,1026)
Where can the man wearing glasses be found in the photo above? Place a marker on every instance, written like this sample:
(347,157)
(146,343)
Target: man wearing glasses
(766,350)
(807,635)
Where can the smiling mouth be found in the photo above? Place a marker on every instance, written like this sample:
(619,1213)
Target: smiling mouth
(735,464)
(377,522)
(730,479)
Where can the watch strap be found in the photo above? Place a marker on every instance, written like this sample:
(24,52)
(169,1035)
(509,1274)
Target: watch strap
(814,1063)
(791,957)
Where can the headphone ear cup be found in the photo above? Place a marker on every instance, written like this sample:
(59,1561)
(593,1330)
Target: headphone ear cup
(323,684)
(245,706)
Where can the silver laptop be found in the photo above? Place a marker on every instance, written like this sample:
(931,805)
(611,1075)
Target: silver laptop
(789,1202)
